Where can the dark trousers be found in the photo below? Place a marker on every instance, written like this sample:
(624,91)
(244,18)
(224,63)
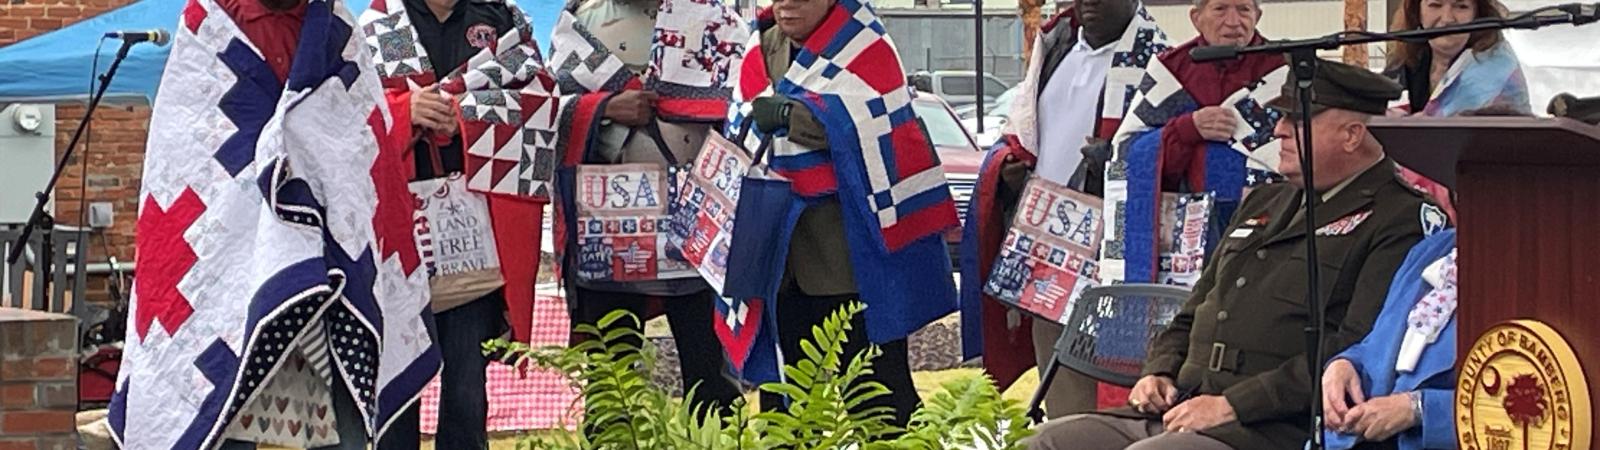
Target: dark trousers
(463,395)
(700,356)
(798,312)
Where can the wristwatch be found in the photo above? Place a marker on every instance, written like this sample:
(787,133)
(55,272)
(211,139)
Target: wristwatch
(1416,406)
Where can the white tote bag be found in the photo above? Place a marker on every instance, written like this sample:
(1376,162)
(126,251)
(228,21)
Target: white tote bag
(456,241)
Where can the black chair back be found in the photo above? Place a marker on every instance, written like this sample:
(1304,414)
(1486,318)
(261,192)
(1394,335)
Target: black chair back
(1108,333)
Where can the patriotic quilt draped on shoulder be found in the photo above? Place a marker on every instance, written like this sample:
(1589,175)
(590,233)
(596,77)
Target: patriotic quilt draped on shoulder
(880,165)
(1133,185)
(849,74)
(274,226)
(508,101)
(693,48)
(987,331)
(1138,46)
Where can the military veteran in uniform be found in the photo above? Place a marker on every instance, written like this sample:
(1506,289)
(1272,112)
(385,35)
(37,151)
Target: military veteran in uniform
(1230,372)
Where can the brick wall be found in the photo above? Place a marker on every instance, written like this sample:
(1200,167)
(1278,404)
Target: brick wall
(22,19)
(38,380)
(115,156)
(116,146)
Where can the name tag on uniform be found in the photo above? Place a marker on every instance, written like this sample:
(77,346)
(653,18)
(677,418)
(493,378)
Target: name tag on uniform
(1241,233)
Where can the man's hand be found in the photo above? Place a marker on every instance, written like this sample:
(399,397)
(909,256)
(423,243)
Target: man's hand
(1215,123)
(1341,392)
(452,126)
(1382,417)
(632,108)
(1153,394)
(1015,172)
(1096,151)
(770,113)
(1199,413)
(431,110)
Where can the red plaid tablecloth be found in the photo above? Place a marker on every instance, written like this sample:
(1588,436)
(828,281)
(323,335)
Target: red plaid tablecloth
(536,401)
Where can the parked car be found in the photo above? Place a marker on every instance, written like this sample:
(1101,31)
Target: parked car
(995,117)
(958,87)
(959,155)
(1001,105)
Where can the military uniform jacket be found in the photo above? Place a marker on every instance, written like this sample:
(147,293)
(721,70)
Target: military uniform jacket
(1241,335)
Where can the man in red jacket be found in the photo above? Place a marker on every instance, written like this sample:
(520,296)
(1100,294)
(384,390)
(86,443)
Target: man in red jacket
(1184,136)
(1195,127)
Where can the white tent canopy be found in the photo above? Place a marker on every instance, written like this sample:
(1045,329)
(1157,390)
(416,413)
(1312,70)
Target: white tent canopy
(1556,59)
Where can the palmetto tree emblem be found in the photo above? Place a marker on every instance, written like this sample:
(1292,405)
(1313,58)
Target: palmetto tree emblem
(1525,402)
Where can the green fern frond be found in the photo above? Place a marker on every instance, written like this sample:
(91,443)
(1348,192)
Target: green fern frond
(827,396)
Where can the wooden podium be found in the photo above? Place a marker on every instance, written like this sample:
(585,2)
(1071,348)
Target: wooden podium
(1528,201)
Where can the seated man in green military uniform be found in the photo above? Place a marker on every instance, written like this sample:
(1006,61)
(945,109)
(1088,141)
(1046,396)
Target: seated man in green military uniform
(1230,372)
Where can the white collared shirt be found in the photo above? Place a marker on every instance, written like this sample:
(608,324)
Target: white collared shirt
(1068,108)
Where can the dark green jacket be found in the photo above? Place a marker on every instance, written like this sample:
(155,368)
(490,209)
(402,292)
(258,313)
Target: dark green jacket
(1240,334)
(819,258)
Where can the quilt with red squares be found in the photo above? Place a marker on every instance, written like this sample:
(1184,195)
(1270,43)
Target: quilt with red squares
(880,166)
(274,223)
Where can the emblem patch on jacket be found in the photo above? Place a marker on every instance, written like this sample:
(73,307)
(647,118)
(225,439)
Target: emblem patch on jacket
(1433,219)
(481,35)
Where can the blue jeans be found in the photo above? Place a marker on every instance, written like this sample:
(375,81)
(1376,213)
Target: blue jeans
(463,398)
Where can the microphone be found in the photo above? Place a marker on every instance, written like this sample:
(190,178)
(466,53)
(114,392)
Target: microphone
(1214,53)
(1570,106)
(1586,14)
(157,36)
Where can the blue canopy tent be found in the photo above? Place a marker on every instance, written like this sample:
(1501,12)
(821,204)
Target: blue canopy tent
(56,66)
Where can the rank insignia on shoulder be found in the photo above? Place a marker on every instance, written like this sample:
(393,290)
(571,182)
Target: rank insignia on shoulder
(1344,225)
(1433,219)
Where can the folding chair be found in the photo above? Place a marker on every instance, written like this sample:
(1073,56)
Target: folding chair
(1108,334)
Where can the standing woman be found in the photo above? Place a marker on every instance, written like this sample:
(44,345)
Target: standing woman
(1449,75)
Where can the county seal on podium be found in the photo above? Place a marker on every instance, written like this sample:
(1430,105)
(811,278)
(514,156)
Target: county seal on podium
(1520,387)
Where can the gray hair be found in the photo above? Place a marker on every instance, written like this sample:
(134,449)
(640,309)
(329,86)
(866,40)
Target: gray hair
(1202,3)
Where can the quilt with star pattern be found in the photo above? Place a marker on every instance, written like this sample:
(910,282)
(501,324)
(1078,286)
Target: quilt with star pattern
(274,225)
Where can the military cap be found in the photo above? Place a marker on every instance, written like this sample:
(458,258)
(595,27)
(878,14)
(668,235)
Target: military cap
(1342,86)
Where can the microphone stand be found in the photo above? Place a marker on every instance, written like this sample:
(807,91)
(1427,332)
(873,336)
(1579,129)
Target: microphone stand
(1303,63)
(39,218)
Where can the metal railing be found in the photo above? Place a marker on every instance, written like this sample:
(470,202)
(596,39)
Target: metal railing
(51,274)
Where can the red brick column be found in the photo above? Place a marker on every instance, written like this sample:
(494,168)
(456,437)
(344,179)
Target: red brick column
(38,380)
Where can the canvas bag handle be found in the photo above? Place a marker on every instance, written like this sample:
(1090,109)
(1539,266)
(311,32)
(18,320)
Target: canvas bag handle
(761,151)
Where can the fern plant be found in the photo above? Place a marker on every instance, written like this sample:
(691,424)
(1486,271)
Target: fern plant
(967,413)
(826,395)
